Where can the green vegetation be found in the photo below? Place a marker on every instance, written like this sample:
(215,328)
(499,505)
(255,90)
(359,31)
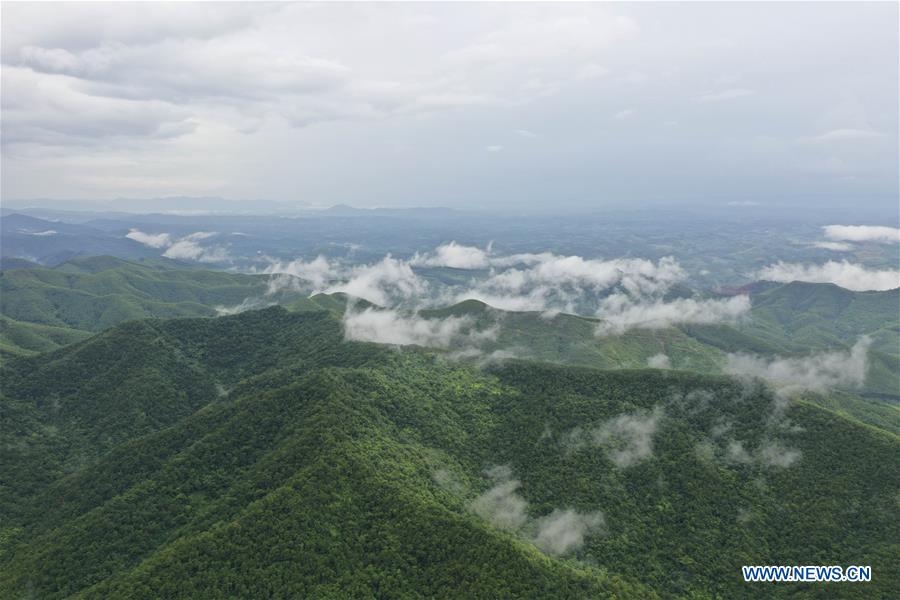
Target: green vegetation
(261,455)
(91,294)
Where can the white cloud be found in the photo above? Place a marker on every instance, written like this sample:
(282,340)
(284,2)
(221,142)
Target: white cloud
(495,148)
(555,282)
(174,91)
(39,233)
(625,114)
(384,283)
(125,81)
(318,271)
(247,304)
(392,327)
(862,233)
(188,248)
(558,533)
(562,531)
(525,133)
(38,108)
(551,283)
(620,313)
(154,240)
(626,439)
(501,505)
(836,246)
(659,361)
(185,248)
(845,274)
(817,373)
(453,255)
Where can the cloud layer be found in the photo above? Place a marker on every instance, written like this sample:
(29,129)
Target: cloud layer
(845,274)
(626,293)
(620,313)
(184,248)
(626,439)
(392,327)
(558,533)
(562,531)
(453,255)
(475,104)
(862,233)
(817,373)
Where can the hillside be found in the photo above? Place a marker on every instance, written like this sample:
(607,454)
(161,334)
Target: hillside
(54,242)
(819,315)
(791,320)
(91,294)
(262,455)
(44,309)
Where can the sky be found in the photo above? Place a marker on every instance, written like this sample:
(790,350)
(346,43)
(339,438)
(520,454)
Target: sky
(465,105)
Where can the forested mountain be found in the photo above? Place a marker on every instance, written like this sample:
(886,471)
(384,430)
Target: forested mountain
(263,455)
(45,308)
(53,242)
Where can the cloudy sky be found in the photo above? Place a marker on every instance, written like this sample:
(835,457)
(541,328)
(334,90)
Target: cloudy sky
(469,105)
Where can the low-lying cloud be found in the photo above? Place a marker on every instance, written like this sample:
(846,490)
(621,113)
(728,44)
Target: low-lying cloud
(318,271)
(153,240)
(392,327)
(620,313)
(558,533)
(389,282)
(543,282)
(816,373)
(501,505)
(386,283)
(551,283)
(845,274)
(834,246)
(39,233)
(247,304)
(189,248)
(626,439)
(863,233)
(185,248)
(454,255)
(769,453)
(659,361)
(562,531)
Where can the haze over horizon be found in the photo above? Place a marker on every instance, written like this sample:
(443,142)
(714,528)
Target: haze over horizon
(527,106)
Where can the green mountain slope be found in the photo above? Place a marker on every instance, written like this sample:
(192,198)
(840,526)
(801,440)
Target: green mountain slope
(782,323)
(94,293)
(281,460)
(18,338)
(815,315)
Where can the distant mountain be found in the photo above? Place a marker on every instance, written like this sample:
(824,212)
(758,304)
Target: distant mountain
(797,319)
(90,294)
(8,263)
(262,455)
(344,210)
(54,242)
(176,204)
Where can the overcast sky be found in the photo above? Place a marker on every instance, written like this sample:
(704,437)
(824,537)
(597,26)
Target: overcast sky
(468,105)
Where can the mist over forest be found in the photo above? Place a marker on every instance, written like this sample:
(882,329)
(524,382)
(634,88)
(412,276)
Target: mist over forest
(449,300)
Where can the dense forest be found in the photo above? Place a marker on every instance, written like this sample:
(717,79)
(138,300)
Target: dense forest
(263,455)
